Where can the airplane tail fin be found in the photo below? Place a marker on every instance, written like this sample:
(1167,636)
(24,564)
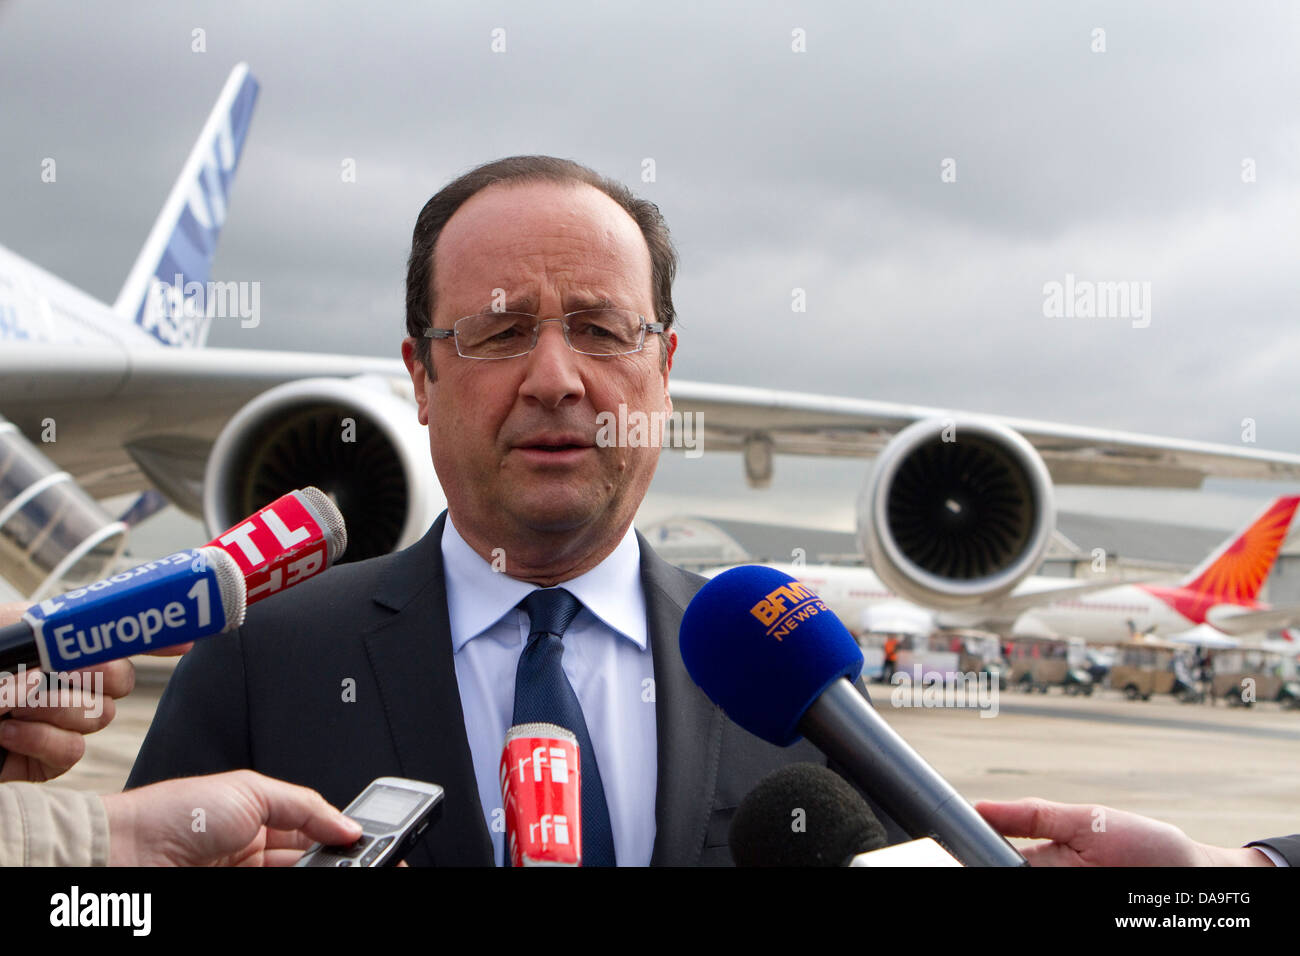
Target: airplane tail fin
(166,291)
(1237,569)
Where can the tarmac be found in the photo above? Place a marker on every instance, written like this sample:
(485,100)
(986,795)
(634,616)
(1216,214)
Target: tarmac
(1224,775)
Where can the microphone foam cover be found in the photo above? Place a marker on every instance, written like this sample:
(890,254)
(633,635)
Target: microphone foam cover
(803,815)
(763,647)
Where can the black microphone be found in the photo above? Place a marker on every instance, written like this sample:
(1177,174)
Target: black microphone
(772,655)
(803,815)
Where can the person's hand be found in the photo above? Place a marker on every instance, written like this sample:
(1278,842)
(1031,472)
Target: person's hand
(45,741)
(1089,835)
(239,818)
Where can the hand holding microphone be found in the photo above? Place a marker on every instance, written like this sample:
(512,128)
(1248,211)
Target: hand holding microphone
(43,743)
(158,607)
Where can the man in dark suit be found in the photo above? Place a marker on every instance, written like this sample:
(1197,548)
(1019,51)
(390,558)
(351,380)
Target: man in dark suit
(538,302)
(350,677)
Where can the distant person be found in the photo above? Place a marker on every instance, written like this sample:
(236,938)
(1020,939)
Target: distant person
(891,658)
(1188,682)
(1205,665)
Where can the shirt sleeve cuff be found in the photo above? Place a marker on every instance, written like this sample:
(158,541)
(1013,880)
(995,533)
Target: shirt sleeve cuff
(1277,858)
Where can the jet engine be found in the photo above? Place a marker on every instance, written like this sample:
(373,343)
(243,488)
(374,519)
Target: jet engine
(352,438)
(956,512)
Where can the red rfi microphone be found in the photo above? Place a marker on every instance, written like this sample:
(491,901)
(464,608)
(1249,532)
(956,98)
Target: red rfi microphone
(541,792)
(295,537)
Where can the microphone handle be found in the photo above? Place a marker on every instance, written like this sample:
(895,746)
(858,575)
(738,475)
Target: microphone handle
(17,647)
(847,729)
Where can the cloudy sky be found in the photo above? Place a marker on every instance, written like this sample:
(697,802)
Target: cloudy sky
(794,146)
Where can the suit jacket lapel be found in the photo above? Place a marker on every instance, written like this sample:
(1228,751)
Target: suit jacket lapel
(411,658)
(688,725)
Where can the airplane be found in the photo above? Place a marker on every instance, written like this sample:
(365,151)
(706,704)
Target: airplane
(1220,594)
(103,400)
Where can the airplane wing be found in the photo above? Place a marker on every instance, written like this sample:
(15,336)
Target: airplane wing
(1026,597)
(170,403)
(1237,622)
(125,416)
(760,422)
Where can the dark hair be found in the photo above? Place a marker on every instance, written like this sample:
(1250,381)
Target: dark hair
(523,169)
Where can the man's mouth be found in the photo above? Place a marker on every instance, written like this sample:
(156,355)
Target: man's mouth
(555,443)
(554,448)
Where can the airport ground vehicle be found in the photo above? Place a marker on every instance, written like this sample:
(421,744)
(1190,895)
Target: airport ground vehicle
(1243,676)
(964,651)
(934,653)
(978,652)
(1143,668)
(1289,695)
(1038,663)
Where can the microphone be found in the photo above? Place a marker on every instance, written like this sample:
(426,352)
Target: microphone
(771,654)
(803,815)
(174,600)
(541,791)
(295,537)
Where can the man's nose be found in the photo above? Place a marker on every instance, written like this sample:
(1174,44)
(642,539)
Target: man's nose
(553,375)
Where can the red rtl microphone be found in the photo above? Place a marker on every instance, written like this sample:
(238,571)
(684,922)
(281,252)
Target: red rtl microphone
(295,537)
(541,791)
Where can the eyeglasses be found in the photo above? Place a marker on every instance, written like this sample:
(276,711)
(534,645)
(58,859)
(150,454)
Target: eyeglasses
(502,335)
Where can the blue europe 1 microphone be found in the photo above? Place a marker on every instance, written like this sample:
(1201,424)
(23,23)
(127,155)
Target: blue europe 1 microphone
(772,655)
(174,600)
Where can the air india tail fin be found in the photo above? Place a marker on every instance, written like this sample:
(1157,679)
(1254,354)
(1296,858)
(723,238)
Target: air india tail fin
(1237,569)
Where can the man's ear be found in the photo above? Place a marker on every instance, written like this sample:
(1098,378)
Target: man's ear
(669,345)
(420,379)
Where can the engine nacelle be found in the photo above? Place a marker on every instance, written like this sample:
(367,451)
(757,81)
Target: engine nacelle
(956,512)
(352,438)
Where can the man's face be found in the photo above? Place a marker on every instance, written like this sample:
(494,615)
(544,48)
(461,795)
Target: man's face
(514,440)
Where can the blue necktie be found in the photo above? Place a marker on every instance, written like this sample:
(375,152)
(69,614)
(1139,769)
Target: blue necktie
(543,693)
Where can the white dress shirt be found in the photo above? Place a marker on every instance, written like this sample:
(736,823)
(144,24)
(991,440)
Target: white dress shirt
(607,659)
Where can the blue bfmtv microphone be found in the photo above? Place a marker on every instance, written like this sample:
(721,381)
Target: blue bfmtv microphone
(779,663)
(763,647)
(174,600)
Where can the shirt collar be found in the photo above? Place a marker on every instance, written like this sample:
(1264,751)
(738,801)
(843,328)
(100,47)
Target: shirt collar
(478,596)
